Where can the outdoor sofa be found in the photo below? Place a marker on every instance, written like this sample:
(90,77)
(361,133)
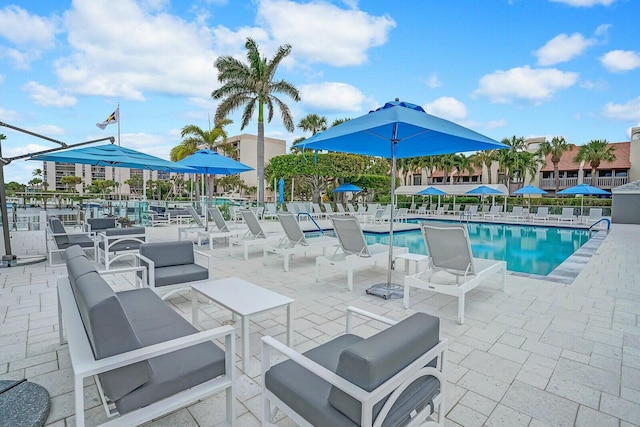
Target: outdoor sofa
(147,359)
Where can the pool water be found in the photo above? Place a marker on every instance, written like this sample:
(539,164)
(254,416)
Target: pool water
(526,249)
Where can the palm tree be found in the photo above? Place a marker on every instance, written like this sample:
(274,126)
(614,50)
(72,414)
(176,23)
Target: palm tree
(462,164)
(446,162)
(195,138)
(595,152)
(556,148)
(310,123)
(482,159)
(509,156)
(250,86)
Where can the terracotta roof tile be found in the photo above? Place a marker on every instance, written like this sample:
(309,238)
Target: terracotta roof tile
(622,161)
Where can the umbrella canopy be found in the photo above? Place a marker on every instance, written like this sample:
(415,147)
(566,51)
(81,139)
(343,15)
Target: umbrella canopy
(530,189)
(482,190)
(431,191)
(211,163)
(583,190)
(398,130)
(346,187)
(281,191)
(112,155)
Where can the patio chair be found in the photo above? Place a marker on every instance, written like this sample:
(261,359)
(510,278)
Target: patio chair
(316,211)
(567,215)
(57,239)
(396,377)
(422,210)
(341,210)
(254,236)
(495,212)
(351,209)
(542,214)
(328,209)
(452,269)
(270,211)
(294,241)
(116,243)
(353,251)
(595,215)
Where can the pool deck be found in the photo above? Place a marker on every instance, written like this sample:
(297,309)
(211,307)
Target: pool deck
(542,354)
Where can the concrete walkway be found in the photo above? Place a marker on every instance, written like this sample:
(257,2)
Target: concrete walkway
(541,354)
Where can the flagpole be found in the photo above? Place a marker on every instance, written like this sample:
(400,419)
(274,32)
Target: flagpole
(119,172)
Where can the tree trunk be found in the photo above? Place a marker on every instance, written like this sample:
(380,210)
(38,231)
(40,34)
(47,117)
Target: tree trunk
(556,176)
(260,150)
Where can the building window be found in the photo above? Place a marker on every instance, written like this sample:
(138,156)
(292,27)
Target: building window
(417,180)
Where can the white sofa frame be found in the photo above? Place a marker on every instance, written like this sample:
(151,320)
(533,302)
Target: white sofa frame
(394,385)
(85,365)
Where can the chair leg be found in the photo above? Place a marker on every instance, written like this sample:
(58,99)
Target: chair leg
(461,308)
(405,298)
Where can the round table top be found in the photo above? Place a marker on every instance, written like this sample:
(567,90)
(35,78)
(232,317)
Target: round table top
(23,403)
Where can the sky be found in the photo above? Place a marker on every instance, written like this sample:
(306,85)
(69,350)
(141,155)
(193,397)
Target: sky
(529,68)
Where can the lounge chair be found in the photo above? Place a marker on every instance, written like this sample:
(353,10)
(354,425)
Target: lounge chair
(542,214)
(495,212)
(351,209)
(220,230)
(422,210)
(316,211)
(341,210)
(353,250)
(294,241)
(452,270)
(57,240)
(567,215)
(197,227)
(270,211)
(595,215)
(516,213)
(254,236)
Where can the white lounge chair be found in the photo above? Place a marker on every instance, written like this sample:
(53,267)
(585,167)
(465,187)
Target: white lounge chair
(197,227)
(317,211)
(255,236)
(353,251)
(595,215)
(516,213)
(351,209)
(452,270)
(270,211)
(220,229)
(495,212)
(542,214)
(294,241)
(567,215)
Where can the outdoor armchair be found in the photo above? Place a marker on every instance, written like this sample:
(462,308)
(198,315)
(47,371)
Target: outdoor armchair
(57,239)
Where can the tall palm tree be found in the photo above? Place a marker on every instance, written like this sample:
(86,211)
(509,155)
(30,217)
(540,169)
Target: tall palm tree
(446,162)
(254,85)
(556,148)
(595,152)
(509,156)
(310,123)
(484,159)
(196,138)
(462,164)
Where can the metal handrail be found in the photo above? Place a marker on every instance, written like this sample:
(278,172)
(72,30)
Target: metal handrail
(312,220)
(607,220)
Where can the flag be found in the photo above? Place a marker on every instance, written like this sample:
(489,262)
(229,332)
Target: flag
(113,118)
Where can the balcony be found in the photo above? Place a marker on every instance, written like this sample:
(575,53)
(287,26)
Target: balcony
(606,183)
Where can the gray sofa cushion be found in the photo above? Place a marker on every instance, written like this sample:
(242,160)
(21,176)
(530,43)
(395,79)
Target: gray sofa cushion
(154,321)
(371,362)
(174,274)
(109,332)
(165,254)
(305,392)
(120,234)
(101,223)
(74,252)
(78,267)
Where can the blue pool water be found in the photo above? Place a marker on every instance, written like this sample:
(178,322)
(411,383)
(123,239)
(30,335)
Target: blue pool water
(526,249)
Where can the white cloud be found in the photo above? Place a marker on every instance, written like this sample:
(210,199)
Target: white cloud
(331,96)
(448,108)
(48,97)
(524,83)
(122,50)
(48,130)
(496,124)
(585,3)
(629,111)
(30,34)
(323,33)
(618,61)
(9,116)
(433,81)
(562,48)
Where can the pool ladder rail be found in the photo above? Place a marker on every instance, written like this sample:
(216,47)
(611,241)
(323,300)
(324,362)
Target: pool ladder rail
(312,220)
(607,220)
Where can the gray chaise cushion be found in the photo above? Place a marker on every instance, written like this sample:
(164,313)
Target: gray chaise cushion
(123,244)
(305,392)
(371,362)
(153,322)
(109,332)
(165,254)
(101,223)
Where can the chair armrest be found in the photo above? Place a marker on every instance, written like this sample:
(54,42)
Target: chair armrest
(123,359)
(206,256)
(351,310)
(134,269)
(141,260)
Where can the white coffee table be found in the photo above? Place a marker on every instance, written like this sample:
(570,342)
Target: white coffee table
(243,299)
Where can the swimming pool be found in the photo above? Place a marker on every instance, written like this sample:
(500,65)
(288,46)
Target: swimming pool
(526,249)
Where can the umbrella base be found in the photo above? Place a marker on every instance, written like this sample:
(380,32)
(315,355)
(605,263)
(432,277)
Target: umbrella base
(386,291)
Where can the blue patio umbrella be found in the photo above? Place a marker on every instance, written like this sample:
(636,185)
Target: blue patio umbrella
(209,162)
(483,190)
(281,191)
(343,188)
(398,130)
(583,190)
(432,191)
(530,189)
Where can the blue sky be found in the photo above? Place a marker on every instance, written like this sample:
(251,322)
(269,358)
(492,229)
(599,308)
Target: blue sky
(531,68)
